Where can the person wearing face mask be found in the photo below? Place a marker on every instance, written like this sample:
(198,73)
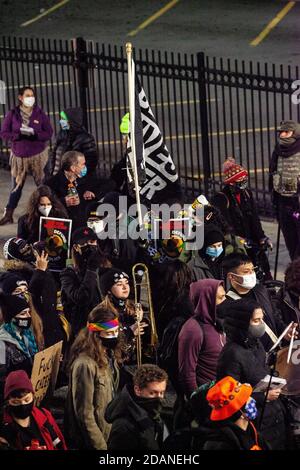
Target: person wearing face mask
(95,358)
(42,203)
(24,426)
(65,185)
(241,277)
(244,358)
(231,418)
(28,129)
(73,136)
(17,342)
(13,283)
(135,413)
(201,338)
(284,184)
(206,263)
(80,288)
(115,290)
(238,207)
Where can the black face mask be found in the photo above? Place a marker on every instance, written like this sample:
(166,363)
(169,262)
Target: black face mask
(22,323)
(87,250)
(152,406)
(21,411)
(109,343)
(240,186)
(287,141)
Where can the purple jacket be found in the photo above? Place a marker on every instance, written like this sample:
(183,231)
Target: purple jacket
(199,341)
(26,146)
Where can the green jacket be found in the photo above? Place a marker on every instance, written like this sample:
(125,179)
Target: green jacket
(90,391)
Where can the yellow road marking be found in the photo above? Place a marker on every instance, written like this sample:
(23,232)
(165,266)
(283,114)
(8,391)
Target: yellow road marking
(196,136)
(45,13)
(116,108)
(272,24)
(153,17)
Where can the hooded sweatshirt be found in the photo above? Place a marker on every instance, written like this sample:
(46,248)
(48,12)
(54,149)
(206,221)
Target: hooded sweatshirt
(200,340)
(132,428)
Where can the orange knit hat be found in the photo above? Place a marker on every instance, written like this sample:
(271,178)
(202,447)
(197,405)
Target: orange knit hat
(227,397)
(232,171)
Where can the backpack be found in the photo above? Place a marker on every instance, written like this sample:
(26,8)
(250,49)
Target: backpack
(167,352)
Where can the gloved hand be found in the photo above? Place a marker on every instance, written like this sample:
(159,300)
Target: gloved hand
(94,259)
(266,243)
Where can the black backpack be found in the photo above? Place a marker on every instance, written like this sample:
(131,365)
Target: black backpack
(167,352)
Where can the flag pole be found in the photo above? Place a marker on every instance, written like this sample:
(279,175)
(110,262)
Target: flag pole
(131,96)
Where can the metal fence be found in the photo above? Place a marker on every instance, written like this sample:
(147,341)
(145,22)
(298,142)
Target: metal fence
(206,107)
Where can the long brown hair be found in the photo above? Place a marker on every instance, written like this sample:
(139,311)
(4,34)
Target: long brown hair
(37,326)
(88,342)
(33,215)
(108,305)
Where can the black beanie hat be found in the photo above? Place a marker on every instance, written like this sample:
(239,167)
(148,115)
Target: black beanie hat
(290,126)
(212,234)
(11,281)
(11,305)
(237,314)
(111,277)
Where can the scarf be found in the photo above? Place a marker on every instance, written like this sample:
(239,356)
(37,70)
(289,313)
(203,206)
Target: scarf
(25,115)
(32,348)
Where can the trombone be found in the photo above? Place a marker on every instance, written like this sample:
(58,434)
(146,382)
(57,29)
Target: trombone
(142,292)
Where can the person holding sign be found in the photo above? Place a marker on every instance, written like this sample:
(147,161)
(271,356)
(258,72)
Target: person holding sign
(93,381)
(42,202)
(17,343)
(26,427)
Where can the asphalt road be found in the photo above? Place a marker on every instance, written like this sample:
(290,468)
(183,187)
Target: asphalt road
(241,123)
(221,28)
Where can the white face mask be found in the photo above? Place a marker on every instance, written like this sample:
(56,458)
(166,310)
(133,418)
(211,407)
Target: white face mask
(97,226)
(45,210)
(249,281)
(29,101)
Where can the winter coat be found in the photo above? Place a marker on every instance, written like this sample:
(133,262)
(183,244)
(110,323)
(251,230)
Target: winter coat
(80,293)
(200,341)
(232,437)
(43,290)
(271,315)
(76,138)
(245,361)
(199,268)
(132,428)
(285,152)
(46,424)
(22,145)
(12,357)
(242,216)
(91,389)
(31,234)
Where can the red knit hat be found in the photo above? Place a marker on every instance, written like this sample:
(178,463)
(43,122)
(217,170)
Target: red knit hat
(227,397)
(17,380)
(232,171)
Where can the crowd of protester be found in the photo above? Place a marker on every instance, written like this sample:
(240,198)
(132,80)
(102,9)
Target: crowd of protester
(217,311)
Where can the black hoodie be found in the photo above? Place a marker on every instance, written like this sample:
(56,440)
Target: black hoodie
(132,428)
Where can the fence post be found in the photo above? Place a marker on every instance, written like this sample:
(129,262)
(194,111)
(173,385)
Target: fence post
(82,76)
(204,121)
